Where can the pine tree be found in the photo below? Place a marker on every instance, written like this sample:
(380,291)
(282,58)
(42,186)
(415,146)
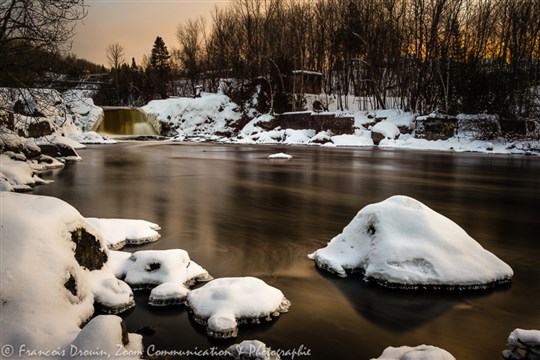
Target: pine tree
(159,69)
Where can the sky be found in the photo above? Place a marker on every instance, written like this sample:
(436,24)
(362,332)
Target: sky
(134,24)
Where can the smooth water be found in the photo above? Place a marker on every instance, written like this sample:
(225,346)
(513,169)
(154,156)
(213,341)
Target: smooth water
(238,213)
(125,121)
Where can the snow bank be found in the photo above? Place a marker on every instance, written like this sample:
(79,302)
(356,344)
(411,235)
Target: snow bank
(52,262)
(203,116)
(422,352)
(118,233)
(17,175)
(90,137)
(224,303)
(401,242)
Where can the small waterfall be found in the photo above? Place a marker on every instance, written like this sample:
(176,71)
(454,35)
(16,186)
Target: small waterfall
(125,121)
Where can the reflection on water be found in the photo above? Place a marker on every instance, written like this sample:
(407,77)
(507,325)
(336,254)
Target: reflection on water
(238,214)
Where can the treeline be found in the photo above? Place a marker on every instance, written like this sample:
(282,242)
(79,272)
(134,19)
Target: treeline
(425,55)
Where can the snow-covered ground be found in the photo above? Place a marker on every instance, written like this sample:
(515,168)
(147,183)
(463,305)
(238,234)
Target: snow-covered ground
(402,243)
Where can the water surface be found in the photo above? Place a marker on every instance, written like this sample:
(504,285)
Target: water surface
(238,213)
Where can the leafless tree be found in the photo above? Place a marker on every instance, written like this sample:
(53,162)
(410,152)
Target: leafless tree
(115,54)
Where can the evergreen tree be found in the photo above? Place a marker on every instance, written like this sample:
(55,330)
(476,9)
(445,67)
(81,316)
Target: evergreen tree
(159,69)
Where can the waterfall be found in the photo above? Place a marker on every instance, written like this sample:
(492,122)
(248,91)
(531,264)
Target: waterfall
(125,121)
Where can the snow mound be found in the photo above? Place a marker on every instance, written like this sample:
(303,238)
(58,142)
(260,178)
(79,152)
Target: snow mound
(252,350)
(402,243)
(149,268)
(224,303)
(118,233)
(526,344)
(387,129)
(282,156)
(168,294)
(422,352)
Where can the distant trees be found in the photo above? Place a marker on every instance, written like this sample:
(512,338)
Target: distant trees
(419,55)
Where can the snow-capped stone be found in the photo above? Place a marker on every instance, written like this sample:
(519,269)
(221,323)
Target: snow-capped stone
(402,243)
(281,155)
(252,350)
(113,296)
(224,303)
(120,232)
(168,294)
(422,352)
(149,268)
(525,343)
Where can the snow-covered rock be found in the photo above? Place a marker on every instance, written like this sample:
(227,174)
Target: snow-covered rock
(223,304)
(118,233)
(168,294)
(402,243)
(252,350)
(384,130)
(112,296)
(52,262)
(526,345)
(17,175)
(422,352)
(105,337)
(150,268)
(281,156)
(90,137)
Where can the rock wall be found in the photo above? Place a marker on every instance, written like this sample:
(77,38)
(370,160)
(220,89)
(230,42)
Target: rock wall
(318,122)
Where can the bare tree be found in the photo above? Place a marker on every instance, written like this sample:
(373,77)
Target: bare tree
(115,54)
(31,29)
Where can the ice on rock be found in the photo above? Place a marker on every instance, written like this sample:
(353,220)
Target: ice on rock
(223,304)
(121,232)
(149,268)
(168,294)
(422,352)
(526,344)
(402,243)
(281,156)
(252,350)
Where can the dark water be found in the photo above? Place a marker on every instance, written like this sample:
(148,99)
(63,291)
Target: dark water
(239,214)
(125,121)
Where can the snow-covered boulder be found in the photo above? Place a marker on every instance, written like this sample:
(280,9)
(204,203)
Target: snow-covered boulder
(118,233)
(422,352)
(384,130)
(52,262)
(402,243)
(223,304)
(252,350)
(17,175)
(322,137)
(150,268)
(525,343)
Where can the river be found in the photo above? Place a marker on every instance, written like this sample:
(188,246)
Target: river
(238,214)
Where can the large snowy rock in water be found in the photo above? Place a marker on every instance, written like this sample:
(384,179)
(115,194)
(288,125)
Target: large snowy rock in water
(402,243)
(422,352)
(525,345)
(52,261)
(224,303)
(118,233)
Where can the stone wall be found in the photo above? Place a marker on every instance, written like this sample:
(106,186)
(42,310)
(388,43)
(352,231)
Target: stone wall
(318,122)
